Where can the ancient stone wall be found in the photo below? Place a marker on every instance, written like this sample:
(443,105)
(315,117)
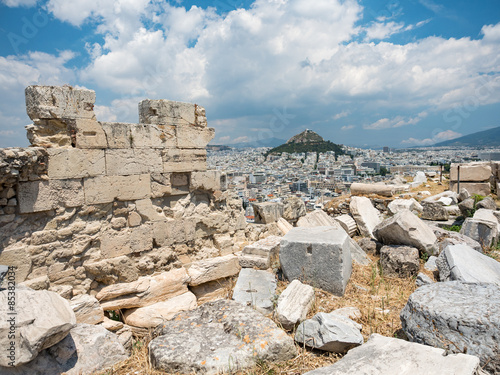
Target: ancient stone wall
(94,203)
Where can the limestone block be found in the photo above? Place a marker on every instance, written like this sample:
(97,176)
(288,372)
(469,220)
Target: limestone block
(405,228)
(399,261)
(168,232)
(362,189)
(153,315)
(111,325)
(42,195)
(106,189)
(317,218)
(184,160)
(480,188)
(319,256)
(470,172)
(212,290)
(348,223)
(260,254)
(179,179)
(160,185)
(255,288)
(456,316)
(166,112)
(18,257)
(87,133)
(483,231)
(148,211)
(189,136)
(329,332)
(152,136)
(208,181)
(118,135)
(367,217)
(49,133)
(217,338)
(65,163)
(42,319)
(145,291)
(389,356)
(123,162)
(434,211)
(293,209)
(283,225)
(267,212)
(87,309)
(57,102)
(207,270)
(294,304)
(127,241)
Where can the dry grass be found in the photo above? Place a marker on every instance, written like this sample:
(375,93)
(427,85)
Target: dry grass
(380,300)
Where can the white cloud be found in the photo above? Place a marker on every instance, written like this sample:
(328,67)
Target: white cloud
(19,3)
(396,122)
(341,115)
(240,139)
(347,127)
(381,30)
(439,137)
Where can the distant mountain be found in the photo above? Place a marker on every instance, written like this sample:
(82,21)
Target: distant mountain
(268,142)
(307,141)
(307,136)
(490,137)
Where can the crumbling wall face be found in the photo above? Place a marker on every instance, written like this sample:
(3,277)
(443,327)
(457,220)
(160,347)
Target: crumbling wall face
(95,203)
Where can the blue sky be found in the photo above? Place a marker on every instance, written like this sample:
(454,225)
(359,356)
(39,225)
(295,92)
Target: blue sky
(358,72)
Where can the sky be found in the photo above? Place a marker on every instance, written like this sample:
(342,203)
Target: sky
(362,73)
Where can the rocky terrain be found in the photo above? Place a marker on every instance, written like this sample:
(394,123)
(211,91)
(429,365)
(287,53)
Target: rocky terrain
(378,284)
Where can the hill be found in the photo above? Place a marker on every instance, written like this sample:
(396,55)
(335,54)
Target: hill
(307,141)
(490,137)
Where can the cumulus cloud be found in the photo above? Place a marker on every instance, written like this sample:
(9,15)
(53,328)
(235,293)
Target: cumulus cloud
(396,122)
(347,127)
(340,115)
(439,137)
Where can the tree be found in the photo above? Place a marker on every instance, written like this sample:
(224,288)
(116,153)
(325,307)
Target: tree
(383,171)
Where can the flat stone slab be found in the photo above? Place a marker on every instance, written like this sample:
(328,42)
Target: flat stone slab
(294,304)
(389,356)
(260,254)
(255,288)
(457,316)
(319,256)
(367,217)
(463,263)
(329,332)
(218,337)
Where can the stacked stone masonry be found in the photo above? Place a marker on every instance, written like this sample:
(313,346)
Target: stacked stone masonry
(95,203)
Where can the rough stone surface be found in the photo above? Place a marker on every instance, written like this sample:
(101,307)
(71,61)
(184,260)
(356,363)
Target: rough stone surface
(389,356)
(363,189)
(367,217)
(483,231)
(318,256)
(42,319)
(86,350)
(464,194)
(446,237)
(207,181)
(283,225)
(260,254)
(255,288)
(294,304)
(405,228)
(404,204)
(145,291)
(329,332)
(37,196)
(423,279)
(358,255)
(471,172)
(348,223)
(488,203)
(212,269)
(434,211)
(458,317)
(293,209)
(399,261)
(370,245)
(480,188)
(317,218)
(267,212)
(467,207)
(462,263)
(87,309)
(152,315)
(218,337)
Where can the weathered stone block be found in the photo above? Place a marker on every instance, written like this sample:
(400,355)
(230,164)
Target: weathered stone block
(319,256)
(87,133)
(168,232)
(267,212)
(260,254)
(65,163)
(87,309)
(208,181)
(184,160)
(56,102)
(167,112)
(399,261)
(124,162)
(193,136)
(480,188)
(367,217)
(118,135)
(19,258)
(36,196)
(470,172)
(160,185)
(127,241)
(294,304)
(152,136)
(483,231)
(207,270)
(106,189)
(255,288)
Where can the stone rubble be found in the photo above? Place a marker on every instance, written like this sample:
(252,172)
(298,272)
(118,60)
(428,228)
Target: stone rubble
(294,304)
